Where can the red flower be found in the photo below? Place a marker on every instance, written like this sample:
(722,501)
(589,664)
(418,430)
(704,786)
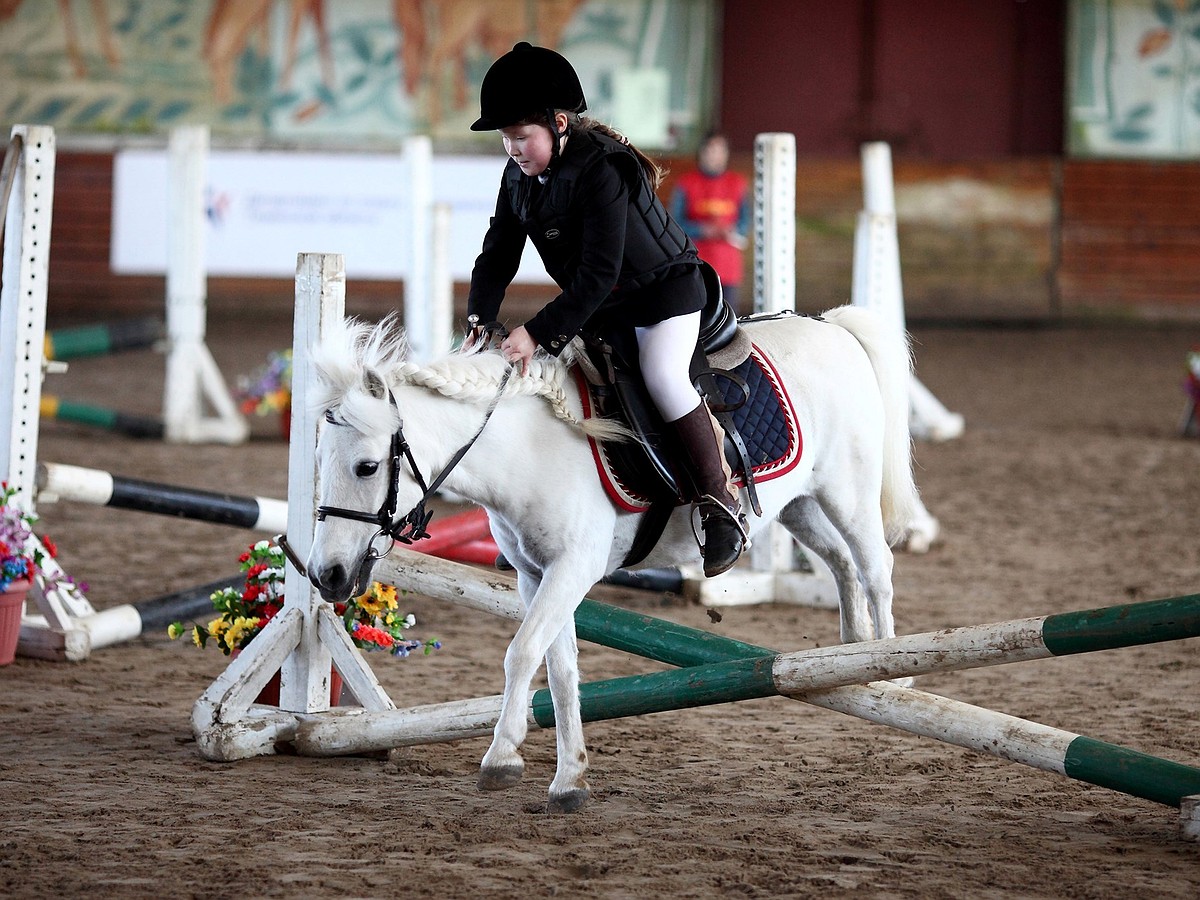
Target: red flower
(51,547)
(372,635)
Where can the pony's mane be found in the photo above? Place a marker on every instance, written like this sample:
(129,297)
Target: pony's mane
(352,349)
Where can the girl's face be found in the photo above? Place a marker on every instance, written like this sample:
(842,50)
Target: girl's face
(530,145)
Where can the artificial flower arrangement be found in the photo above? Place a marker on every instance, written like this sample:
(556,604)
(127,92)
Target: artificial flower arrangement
(373,619)
(20,559)
(269,389)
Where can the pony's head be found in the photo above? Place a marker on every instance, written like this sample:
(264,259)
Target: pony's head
(354,363)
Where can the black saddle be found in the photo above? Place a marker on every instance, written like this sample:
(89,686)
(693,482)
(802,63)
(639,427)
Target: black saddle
(654,463)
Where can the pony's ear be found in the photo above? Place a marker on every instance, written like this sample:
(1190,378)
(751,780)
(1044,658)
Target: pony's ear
(374,384)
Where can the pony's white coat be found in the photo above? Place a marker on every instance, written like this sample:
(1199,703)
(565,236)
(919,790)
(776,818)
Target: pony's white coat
(847,500)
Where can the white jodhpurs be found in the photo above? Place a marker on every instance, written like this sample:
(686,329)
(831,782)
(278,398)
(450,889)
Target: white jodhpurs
(665,355)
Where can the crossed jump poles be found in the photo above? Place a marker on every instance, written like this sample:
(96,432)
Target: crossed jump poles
(848,678)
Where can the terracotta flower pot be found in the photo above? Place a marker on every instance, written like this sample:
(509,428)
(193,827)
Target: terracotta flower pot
(12,606)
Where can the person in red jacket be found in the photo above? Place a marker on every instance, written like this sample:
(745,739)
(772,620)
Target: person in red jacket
(712,204)
(585,198)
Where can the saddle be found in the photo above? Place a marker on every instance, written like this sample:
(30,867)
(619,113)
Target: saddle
(741,390)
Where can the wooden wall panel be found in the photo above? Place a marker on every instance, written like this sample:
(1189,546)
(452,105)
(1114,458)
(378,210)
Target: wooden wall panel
(1131,239)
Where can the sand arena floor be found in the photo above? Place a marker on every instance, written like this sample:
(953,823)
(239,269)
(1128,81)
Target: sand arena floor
(1069,490)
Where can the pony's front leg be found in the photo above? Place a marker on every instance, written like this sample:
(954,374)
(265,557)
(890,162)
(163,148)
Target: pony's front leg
(548,614)
(569,791)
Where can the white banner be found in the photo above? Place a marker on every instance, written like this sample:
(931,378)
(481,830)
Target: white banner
(265,207)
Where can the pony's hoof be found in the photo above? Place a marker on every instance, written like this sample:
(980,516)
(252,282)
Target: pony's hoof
(571,801)
(498,778)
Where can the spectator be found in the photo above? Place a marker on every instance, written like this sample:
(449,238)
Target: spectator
(712,205)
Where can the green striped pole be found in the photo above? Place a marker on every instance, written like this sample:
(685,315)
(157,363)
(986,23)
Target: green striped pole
(720,670)
(128,424)
(99,340)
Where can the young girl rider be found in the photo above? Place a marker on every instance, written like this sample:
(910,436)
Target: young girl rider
(585,197)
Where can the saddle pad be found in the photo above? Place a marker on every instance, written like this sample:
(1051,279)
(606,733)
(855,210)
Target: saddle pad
(767,423)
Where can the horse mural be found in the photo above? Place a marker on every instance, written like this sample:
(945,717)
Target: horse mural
(521,448)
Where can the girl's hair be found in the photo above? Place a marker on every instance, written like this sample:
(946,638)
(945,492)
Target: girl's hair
(575,122)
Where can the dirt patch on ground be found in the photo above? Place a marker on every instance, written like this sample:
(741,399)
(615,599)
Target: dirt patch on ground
(1069,490)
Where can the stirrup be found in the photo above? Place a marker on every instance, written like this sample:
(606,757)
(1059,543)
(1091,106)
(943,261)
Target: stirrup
(708,505)
(713,510)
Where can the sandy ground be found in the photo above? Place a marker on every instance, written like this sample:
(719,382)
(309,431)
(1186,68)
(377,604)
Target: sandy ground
(1069,490)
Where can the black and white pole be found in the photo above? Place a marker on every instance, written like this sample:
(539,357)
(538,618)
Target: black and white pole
(100,488)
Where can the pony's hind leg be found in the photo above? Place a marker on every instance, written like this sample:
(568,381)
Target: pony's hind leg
(807,523)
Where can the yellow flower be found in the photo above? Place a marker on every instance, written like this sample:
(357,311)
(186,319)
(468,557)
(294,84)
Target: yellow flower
(237,629)
(174,630)
(378,599)
(196,636)
(217,627)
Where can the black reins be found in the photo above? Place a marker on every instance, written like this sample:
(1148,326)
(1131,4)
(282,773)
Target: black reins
(413,525)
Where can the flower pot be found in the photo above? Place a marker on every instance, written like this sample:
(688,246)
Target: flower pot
(12,607)
(269,695)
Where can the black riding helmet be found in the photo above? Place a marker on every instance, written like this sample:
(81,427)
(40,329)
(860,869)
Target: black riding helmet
(528,81)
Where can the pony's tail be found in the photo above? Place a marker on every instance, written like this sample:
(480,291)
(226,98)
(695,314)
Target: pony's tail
(891,360)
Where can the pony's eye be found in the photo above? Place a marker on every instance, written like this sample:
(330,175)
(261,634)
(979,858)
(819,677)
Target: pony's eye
(366,469)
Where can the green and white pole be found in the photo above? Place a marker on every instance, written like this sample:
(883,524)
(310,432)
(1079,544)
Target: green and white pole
(720,670)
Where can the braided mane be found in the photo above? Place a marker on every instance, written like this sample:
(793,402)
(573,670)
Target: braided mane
(354,347)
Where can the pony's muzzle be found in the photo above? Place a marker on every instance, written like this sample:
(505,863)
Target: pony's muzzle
(337,582)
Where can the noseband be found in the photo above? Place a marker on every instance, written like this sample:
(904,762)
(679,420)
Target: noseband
(413,525)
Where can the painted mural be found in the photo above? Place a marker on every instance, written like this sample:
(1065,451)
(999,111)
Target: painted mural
(350,71)
(1134,79)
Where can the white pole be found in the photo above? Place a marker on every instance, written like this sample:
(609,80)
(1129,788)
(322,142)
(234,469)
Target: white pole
(774,285)
(419,315)
(192,375)
(877,283)
(187,155)
(877,286)
(26,273)
(320,301)
(774,222)
(442,295)
(23,306)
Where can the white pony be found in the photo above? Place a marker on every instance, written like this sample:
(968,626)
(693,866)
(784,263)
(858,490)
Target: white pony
(848,499)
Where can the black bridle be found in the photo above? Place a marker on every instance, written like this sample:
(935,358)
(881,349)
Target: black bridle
(413,525)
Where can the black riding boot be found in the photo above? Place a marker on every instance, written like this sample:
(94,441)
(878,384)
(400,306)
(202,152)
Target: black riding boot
(720,512)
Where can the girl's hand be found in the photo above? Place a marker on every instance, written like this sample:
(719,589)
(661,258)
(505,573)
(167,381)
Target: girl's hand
(519,347)
(471,338)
